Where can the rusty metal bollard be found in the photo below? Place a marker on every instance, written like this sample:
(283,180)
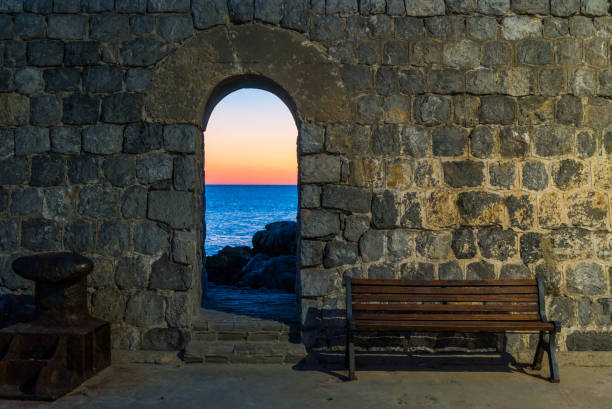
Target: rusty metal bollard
(64,345)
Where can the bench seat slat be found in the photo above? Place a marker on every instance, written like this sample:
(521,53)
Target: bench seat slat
(460,326)
(533,308)
(445,317)
(532,298)
(372,289)
(446,283)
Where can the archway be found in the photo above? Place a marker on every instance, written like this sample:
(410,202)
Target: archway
(250,129)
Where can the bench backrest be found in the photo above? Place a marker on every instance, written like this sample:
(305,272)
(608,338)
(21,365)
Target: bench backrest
(445,300)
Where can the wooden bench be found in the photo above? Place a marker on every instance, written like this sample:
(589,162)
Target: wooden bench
(449,305)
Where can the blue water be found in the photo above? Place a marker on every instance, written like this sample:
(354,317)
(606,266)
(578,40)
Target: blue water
(235,212)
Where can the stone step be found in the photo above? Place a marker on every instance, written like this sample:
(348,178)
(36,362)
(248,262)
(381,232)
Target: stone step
(231,352)
(241,336)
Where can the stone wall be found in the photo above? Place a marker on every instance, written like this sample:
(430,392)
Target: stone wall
(437,139)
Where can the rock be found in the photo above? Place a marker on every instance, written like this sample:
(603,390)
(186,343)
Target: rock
(277,239)
(514,142)
(317,282)
(415,141)
(28,80)
(59,203)
(276,272)
(225,267)
(514,272)
(132,273)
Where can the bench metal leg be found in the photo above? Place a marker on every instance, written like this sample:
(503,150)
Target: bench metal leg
(351,353)
(552,358)
(537,360)
(346,350)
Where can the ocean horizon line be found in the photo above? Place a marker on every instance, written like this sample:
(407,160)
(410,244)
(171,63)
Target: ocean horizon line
(247,184)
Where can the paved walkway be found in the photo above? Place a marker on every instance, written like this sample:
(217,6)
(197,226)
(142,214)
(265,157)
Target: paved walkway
(276,386)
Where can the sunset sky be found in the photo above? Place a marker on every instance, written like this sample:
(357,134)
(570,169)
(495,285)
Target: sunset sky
(251,139)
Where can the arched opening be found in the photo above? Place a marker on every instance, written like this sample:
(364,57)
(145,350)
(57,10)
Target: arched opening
(251,200)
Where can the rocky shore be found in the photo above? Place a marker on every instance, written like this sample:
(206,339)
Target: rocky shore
(270,263)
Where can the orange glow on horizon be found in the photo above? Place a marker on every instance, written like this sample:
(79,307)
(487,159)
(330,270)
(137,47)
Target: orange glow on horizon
(251,139)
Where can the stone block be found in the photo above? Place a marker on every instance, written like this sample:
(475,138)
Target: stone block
(555,27)
(583,81)
(515,272)
(596,53)
(434,245)
(66,26)
(424,8)
(482,141)
(534,175)
(598,113)
(535,52)
(320,168)
(586,278)
(45,53)
(311,253)
(26,201)
(317,282)
(589,341)
(400,244)
(174,27)
(502,174)
(28,80)
(480,208)
(483,28)
(605,83)
(97,6)
(446,81)
(580,26)
(412,81)
(552,140)
(37,6)
(385,139)
(150,238)
(497,109)
(372,245)
(183,247)
(517,81)
(535,110)
(6,81)
(81,53)
(44,109)
(48,171)
(145,309)
(122,108)
(385,210)
(31,139)
(168,6)
(569,174)
(449,141)
(462,54)
(397,109)
(521,211)
(142,24)
(482,81)
(7,142)
(134,203)
(102,79)
(385,80)
(348,198)
(177,315)
(140,138)
(493,7)
(59,203)
(103,139)
(570,243)
(180,138)
(310,196)
(167,275)
(463,243)
(113,238)
(41,235)
(415,141)
(319,223)
(208,13)
(295,15)
(569,51)
(446,27)
(132,272)
(396,52)
(79,236)
(27,26)
(98,201)
(80,109)
(497,243)
(65,139)
(14,53)
(588,209)
(531,247)
(8,235)
(369,107)
(355,226)
(586,144)
(440,208)
(138,79)
(480,270)
(153,167)
(174,208)
(521,27)
(466,173)
(120,170)
(184,173)
(65,79)
(13,171)
(450,271)
(82,169)
(514,142)
(431,109)
(426,52)
(496,53)
(142,51)
(339,253)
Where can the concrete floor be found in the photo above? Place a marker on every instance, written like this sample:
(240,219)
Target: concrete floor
(135,386)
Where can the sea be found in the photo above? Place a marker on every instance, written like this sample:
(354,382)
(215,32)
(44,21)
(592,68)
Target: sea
(235,212)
